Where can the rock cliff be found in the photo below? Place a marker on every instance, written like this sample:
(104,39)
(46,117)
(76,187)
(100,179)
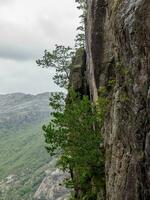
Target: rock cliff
(118,53)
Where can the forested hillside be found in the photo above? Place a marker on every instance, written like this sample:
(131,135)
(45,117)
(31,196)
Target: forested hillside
(23,158)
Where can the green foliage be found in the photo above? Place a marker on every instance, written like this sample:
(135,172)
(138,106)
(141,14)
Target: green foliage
(111,83)
(80,40)
(60,58)
(82,4)
(75,132)
(123,97)
(121,69)
(102,108)
(80,37)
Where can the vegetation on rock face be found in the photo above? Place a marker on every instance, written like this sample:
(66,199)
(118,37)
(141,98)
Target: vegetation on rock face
(60,59)
(74,133)
(80,37)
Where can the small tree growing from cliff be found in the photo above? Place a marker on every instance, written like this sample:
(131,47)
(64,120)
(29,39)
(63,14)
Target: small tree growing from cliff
(80,37)
(60,59)
(72,133)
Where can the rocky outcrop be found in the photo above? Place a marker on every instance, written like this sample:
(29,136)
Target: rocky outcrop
(118,52)
(78,76)
(52,187)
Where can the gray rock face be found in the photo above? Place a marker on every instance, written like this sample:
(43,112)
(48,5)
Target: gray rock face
(118,48)
(52,187)
(78,78)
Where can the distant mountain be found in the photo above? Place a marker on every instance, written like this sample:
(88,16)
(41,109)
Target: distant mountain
(17,109)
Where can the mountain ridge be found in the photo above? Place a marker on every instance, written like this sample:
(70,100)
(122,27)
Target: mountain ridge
(18,108)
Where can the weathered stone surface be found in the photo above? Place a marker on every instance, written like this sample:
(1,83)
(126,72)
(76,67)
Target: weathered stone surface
(118,48)
(78,77)
(52,187)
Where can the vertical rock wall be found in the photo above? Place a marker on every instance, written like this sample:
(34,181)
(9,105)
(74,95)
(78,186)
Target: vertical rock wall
(118,50)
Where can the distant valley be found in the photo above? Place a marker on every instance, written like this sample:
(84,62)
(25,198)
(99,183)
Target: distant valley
(23,158)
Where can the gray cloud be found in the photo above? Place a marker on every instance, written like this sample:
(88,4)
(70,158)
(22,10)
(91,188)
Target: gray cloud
(28,78)
(24,36)
(4,2)
(27,28)
(19,44)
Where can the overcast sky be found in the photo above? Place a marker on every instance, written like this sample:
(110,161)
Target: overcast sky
(27,28)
